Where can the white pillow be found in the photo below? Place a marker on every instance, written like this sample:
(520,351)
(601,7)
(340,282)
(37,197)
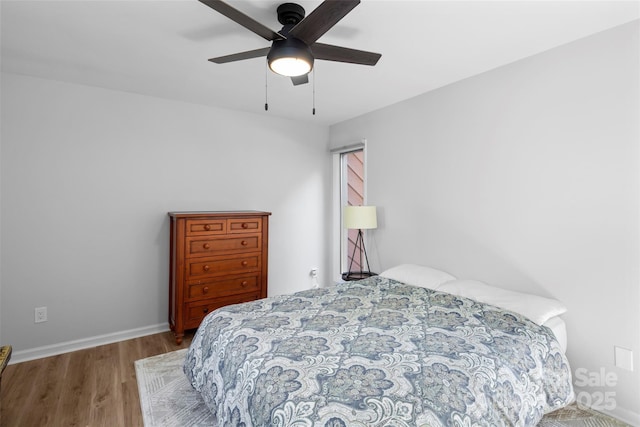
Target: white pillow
(538,309)
(418,275)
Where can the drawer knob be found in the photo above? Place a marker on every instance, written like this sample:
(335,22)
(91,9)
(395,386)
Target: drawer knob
(206,246)
(205,310)
(207,227)
(244,243)
(244,263)
(244,284)
(245,225)
(206,268)
(205,290)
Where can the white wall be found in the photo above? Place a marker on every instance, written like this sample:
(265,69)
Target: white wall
(88,176)
(526,177)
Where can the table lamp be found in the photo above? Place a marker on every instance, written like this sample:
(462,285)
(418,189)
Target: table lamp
(360,218)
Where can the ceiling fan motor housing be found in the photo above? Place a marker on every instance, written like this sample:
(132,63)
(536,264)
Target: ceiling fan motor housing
(290,13)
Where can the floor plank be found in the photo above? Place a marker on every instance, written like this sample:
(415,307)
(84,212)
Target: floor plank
(91,387)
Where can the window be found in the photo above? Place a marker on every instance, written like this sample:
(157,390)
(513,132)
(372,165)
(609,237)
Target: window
(352,195)
(349,164)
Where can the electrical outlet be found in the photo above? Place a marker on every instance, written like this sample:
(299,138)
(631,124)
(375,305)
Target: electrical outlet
(314,277)
(41,314)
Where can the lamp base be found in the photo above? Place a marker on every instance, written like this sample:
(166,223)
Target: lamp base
(357,275)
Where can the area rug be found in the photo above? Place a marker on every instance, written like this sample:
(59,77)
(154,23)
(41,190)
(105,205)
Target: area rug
(167,399)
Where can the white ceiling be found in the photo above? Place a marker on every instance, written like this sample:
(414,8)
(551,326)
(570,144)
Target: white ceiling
(160,48)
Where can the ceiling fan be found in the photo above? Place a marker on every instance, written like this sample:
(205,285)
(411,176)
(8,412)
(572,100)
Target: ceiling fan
(294,47)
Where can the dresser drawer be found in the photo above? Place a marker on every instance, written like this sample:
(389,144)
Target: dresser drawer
(223,265)
(244,225)
(203,227)
(206,246)
(210,288)
(196,311)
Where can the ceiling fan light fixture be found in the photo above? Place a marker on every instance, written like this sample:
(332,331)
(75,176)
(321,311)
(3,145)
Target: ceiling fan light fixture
(290,57)
(290,67)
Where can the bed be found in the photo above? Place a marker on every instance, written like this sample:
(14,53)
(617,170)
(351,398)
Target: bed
(379,352)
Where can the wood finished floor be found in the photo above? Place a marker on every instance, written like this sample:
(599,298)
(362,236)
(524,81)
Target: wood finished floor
(92,387)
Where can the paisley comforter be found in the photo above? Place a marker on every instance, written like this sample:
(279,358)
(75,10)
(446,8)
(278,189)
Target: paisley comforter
(376,353)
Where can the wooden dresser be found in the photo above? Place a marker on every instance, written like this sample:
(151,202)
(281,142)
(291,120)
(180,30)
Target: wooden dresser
(216,259)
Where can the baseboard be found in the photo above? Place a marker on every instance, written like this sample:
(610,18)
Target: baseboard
(622,414)
(65,347)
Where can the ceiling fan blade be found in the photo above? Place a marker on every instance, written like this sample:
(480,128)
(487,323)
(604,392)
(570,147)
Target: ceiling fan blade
(242,19)
(241,55)
(322,19)
(343,54)
(300,80)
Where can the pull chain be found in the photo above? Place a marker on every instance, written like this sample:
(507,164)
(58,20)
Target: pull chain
(266,90)
(314,91)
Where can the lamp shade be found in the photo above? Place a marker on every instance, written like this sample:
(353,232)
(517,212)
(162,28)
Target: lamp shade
(360,217)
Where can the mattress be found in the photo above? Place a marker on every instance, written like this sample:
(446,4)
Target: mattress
(559,329)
